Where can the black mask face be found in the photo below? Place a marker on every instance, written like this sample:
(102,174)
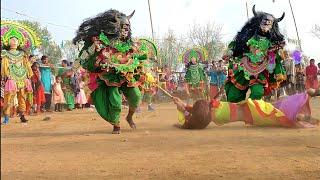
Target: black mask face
(125,29)
(266,23)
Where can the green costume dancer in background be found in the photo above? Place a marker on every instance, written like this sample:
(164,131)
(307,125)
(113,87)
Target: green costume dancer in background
(255,58)
(110,55)
(195,76)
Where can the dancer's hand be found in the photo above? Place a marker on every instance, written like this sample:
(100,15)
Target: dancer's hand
(179,103)
(176,100)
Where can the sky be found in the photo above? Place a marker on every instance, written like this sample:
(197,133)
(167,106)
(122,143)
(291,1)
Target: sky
(177,15)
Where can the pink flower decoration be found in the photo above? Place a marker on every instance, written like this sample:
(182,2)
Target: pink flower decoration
(28,44)
(272,57)
(235,66)
(4,30)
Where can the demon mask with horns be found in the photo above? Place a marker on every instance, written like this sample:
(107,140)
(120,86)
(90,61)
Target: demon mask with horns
(114,61)
(255,58)
(114,24)
(262,24)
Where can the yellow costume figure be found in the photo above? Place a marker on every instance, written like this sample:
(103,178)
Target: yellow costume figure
(15,66)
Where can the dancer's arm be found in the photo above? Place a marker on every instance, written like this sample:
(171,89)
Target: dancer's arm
(181,106)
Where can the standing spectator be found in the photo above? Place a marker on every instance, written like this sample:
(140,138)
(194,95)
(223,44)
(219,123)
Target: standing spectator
(311,75)
(32,59)
(221,75)
(75,82)
(46,74)
(299,79)
(181,86)
(58,97)
(38,90)
(213,80)
(290,70)
(66,73)
(81,98)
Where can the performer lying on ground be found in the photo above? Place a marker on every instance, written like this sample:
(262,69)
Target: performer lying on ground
(292,111)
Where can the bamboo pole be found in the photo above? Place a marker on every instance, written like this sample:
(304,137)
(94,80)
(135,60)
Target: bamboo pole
(151,23)
(166,92)
(247,9)
(295,24)
(151,20)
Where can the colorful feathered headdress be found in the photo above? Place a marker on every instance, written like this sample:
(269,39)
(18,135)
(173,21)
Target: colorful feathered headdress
(200,54)
(27,38)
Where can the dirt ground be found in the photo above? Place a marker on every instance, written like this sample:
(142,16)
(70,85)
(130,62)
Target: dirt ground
(79,145)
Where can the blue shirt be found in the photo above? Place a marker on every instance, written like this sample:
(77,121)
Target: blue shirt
(217,78)
(213,77)
(46,79)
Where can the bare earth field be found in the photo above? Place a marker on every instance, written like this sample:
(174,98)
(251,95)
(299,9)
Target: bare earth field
(79,145)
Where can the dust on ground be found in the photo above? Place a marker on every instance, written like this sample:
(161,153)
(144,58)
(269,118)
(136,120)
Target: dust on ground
(79,145)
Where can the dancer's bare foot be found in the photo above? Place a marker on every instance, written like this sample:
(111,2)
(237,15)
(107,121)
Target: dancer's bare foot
(116,129)
(177,125)
(304,124)
(313,92)
(130,122)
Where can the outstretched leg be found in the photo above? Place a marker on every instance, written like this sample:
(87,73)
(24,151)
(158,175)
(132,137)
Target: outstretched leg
(129,118)
(133,96)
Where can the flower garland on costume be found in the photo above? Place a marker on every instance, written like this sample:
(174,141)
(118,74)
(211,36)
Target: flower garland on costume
(195,74)
(119,45)
(259,48)
(257,60)
(123,47)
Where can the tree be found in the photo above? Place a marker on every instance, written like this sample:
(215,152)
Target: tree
(170,48)
(316,31)
(48,46)
(207,36)
(69,50)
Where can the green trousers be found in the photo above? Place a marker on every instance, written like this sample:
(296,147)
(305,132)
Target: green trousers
(108,100)
(236,95)
(69,97)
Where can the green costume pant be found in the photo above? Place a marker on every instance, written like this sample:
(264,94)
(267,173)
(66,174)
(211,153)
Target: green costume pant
(69,97)
(236,95)
(108,100)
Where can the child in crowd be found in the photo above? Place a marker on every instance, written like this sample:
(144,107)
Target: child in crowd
(38,90)
(81,98)
(58,97)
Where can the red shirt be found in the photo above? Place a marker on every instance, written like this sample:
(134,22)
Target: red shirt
(311,72)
